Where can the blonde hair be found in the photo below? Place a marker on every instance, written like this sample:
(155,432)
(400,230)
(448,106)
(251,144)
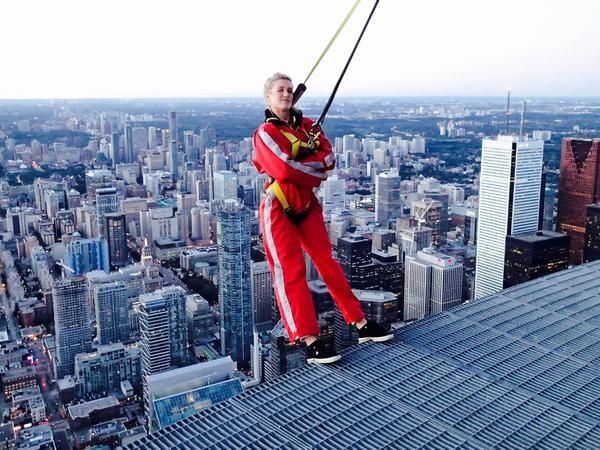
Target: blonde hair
(271,81)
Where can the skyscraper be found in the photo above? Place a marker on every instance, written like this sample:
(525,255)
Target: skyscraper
(235,287)
(579,187)
(85,255)
(533,255)
(591,249)
(413,240)
(509,200)
(115,228)
(263,296)
(107,201)
(354,255)
(433,283)
(173,144)
(225,185)
(334,193)
(73,331)
(444,199)
(128,143)
(388,203)
(430,213)
(163,332)
(115,148)
(112,312)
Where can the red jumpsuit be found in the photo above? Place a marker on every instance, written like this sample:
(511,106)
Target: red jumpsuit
(285,240)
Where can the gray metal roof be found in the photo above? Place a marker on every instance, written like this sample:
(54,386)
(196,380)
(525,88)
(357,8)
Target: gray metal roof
(519,369)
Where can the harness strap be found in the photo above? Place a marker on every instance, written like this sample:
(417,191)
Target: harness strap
(296,143)
(287,209)
(274,186)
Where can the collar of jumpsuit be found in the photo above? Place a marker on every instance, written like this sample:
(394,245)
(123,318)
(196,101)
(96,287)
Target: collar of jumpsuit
(295,118)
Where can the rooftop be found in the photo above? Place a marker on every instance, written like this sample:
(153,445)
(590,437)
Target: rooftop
(84,409)
(518,369)
(539,236)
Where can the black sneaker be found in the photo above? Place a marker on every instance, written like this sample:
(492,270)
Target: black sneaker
(317,353)
(372,331)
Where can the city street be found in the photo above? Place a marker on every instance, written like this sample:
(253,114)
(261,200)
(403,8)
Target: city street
(11,321)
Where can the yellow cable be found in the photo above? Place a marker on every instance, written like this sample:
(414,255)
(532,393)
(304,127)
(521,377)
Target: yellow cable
(343,24)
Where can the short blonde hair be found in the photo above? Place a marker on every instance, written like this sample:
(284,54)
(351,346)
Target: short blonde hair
(271,81)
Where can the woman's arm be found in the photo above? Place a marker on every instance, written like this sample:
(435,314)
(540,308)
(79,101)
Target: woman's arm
(272,155)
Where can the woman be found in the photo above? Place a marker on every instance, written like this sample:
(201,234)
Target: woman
(297,158)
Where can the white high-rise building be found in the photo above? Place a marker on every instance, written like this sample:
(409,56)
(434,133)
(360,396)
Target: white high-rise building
(334,193)
(388,201)
(509,203)
(225,185)
(163,332)
(433,283)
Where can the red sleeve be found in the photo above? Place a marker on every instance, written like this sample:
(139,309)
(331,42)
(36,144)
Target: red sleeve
(272,155)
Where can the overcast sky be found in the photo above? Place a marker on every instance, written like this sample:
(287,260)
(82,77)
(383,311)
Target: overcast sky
(193,48)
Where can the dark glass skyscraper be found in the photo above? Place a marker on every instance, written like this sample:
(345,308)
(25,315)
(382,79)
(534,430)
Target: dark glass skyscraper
(115,227)
(591,249)
(354,255)
(533,255)
(128,143)
(579,187)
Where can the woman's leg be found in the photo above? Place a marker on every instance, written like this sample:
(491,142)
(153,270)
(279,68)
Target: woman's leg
(286,260)
(315,241)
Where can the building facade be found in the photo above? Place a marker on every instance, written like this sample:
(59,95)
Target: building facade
(533,255)
(509,203)
(73,329)
(235,284)
(591,250)
(84,255)
(106,368)
(433,283)
(579,187)
(115,227)
(112,306)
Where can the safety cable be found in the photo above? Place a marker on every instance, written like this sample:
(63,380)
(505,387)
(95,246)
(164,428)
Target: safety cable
(301,88)
(337,85)
(333,38)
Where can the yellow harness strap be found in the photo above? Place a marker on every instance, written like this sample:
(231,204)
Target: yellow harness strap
(296,143)
(274,186)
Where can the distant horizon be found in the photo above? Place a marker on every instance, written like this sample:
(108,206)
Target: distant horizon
(307,97)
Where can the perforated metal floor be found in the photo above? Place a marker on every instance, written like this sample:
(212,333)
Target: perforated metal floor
(516,370)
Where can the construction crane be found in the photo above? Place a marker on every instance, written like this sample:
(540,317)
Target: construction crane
(421,218)
(64,266)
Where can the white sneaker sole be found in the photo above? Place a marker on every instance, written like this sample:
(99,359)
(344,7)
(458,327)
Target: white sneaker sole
(385,338)
(329,360)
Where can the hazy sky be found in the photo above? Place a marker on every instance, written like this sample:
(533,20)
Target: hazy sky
(194,48)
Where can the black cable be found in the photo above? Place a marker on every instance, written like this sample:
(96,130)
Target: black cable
(337,85)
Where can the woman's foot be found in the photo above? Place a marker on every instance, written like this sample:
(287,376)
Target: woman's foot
(372,331)
(318,353)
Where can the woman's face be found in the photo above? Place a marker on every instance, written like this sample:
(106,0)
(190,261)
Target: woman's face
(279,97)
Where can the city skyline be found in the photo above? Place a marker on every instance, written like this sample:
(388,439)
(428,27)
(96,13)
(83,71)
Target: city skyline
(447,50)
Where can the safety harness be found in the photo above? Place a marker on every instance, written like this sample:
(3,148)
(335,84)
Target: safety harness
(297,146)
